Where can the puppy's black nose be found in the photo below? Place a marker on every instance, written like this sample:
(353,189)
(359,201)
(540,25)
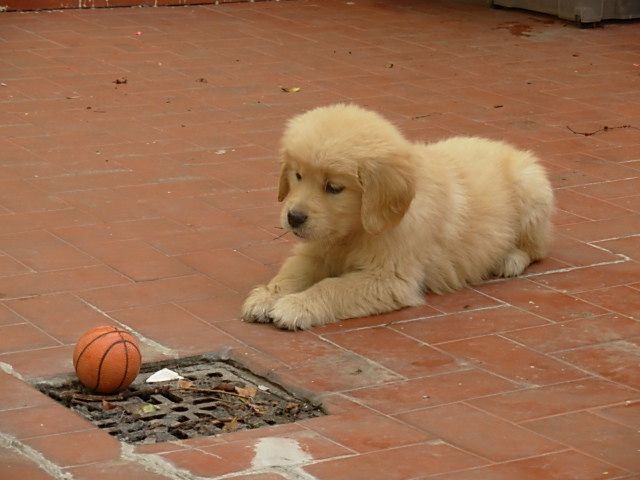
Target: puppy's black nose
(296,218)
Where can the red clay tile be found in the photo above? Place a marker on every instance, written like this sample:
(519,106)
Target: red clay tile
(593,165)
(272,253)
(366,431)
(397,464)
(632,202)
(608,441)
(10,267)
(576,333)
(245,437)
(214,310)
(18,394)
(302,347)
(627,414)
(222,236)
(208,465)
(236,456)
(588,207)
(9,317)
(220,263)
(549,400)
(395,351)
(192,287)
(623,300)
(16,466)
(554,466)
(42,420)
(462,300)
(23,336)
(24,222)
(260,476)
(42,362)
(114,470)
(576,252)
(63,316)
(491,437)
(592,278)
(615,361)
(137,260)
(410,395)
(384,319)
(145,229)
(508,359)
(67,449)
(59,281)
(628,246)
(42,251)
(18,196)
(613,189)
(108,205)
(336,373)
(542,301)
(470,324)
(175,328)
(603,229)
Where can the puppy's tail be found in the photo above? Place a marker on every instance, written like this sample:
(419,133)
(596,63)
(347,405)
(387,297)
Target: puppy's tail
(535,197)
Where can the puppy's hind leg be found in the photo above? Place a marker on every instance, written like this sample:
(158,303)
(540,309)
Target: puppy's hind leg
(512,264)
(535,200)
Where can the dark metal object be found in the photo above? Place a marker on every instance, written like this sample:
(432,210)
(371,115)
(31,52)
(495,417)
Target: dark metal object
(215,397)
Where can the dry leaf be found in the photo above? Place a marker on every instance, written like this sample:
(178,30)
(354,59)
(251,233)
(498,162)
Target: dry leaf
(231,425)
(148,408)
(107,405)
(246,392)
(290,89)
(185,383)
(225,387)
(259,409)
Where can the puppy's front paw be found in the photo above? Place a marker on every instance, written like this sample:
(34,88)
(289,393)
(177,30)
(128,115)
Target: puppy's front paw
(257,307)
(296,312)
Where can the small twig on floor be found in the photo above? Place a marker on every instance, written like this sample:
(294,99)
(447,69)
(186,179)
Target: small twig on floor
(116,398)
(211,390)
(603,129)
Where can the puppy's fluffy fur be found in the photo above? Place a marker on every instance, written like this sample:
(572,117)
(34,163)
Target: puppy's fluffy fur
(382,219)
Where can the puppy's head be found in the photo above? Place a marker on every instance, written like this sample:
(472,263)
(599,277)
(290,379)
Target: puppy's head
(345,170)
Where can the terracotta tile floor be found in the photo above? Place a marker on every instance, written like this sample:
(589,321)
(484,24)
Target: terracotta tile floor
(152,203)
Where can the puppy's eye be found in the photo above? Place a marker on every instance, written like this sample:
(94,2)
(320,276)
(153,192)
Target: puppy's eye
(298,176)
(333,188)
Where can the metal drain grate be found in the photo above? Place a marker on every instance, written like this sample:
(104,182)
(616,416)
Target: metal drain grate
(214,397)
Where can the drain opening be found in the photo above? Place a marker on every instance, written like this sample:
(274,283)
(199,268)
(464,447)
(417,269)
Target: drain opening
(214,397)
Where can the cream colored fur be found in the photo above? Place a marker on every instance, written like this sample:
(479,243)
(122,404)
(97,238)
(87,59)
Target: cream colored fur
(412,217)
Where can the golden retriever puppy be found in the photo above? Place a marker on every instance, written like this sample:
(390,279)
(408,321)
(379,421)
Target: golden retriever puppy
(382,220)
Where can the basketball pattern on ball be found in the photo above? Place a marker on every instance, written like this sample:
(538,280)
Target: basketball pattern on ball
(107,359)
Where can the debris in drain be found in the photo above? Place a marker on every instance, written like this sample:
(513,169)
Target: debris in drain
(213,397)
(164,375)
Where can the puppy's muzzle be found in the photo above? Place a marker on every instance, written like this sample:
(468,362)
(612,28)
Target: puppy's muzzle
(296,218)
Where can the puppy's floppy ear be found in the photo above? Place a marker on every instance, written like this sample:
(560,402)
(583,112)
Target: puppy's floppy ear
(388,187)
(283,182)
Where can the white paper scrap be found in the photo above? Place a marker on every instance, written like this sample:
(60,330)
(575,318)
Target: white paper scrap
(164,375)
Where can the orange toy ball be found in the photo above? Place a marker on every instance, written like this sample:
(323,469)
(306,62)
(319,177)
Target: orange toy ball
(107,359)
